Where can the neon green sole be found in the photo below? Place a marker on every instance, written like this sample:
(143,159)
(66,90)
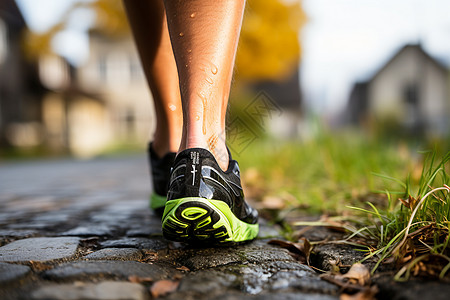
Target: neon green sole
(157,201)
(202,221)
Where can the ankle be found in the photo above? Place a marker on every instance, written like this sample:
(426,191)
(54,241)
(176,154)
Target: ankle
(161,148)
(214,144)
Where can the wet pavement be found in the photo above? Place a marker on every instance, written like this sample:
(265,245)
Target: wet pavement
(82,230)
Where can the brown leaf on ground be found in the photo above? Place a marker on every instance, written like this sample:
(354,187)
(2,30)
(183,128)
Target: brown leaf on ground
(346,286)
(334,264)
(272,202)
(358,274)
(137,279)
(183,268)
(163,287)
(302,247)
(367,293)
(356,279)
(149,256)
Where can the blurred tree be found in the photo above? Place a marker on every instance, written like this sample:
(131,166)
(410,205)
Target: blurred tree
(110,19)
(269,46)
(35,44)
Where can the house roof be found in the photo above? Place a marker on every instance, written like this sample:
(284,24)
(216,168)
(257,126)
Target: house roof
(405,48)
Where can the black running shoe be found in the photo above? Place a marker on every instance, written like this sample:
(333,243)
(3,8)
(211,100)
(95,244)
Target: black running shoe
(206,205)
(160,170)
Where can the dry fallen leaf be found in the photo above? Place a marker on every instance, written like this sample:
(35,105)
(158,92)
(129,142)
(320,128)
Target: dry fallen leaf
(410,203)
(356,279)
(358,274)
(272,202)
(367,293)
(334,265)
(163,287)
(183,268)
(302,247)
(148,256)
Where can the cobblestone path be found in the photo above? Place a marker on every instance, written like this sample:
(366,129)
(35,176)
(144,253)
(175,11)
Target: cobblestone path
(82,230)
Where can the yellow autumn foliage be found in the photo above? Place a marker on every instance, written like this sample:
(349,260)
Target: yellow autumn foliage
(269,44)
(110,17)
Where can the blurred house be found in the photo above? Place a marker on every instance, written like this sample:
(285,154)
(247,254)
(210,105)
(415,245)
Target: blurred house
(73,119)
(411,92)
(20,88)
(50,104)
(113,71)
(102,102)
(280,103)
(40,104)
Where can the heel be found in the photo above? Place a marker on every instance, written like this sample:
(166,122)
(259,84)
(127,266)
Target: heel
(195,220)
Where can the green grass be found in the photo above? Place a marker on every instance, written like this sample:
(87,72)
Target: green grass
(416,228)
(323,174)
(123,148)
(360,179)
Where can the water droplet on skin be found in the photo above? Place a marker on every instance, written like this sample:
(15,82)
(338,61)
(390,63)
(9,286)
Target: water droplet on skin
(181,34)
(214,70)
(193,15)
(204,102)
(189,50)
(197,118)
(209,80)
(172,107)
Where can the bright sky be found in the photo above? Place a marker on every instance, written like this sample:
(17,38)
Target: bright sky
(72,43)
(348,40)
(344,40)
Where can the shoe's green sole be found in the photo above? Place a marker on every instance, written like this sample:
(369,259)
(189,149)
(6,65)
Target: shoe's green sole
(202,221)
(157,201)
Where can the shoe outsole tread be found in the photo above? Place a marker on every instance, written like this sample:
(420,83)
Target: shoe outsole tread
(202,221)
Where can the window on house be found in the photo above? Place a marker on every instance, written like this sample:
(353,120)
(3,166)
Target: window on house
(411,94)
(411,97)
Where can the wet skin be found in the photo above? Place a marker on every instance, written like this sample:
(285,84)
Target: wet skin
(204,36)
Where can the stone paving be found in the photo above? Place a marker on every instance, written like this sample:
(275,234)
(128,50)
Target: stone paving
(82,230)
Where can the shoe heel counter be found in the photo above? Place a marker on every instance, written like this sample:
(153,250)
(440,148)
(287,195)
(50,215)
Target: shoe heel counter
(186,177)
